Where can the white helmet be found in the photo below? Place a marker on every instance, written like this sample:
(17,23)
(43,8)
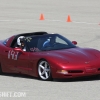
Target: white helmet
(18,40)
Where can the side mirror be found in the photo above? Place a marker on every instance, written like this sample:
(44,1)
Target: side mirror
(19,50)
(74,42)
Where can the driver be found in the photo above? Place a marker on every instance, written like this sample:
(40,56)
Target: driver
(49,42)
(20,43)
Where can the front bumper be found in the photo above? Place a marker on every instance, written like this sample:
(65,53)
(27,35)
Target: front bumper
(72,73)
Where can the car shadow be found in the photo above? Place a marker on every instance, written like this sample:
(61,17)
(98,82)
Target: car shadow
(79,79)
(19,75)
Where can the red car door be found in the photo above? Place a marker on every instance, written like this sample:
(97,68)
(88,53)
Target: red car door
(27,63)
(23,63)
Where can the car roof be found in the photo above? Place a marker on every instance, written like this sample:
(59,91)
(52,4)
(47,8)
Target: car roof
(32,34)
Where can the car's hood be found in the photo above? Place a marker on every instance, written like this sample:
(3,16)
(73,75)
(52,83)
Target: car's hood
(74,54)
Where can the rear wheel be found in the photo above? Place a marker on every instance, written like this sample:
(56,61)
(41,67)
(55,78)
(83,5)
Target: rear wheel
(44,70)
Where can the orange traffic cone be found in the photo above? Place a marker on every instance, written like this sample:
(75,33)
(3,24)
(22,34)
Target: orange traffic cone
(69,19)
(41,17)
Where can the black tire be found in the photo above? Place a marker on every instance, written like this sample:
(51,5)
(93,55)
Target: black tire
(44,71)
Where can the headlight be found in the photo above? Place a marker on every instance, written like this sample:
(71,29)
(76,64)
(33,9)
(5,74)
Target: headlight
(62,71)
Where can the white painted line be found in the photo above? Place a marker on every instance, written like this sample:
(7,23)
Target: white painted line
(54,20)
(84,22)
(5,20)
(20,20)
(72,22)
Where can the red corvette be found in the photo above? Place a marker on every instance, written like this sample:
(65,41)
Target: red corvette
(47,56)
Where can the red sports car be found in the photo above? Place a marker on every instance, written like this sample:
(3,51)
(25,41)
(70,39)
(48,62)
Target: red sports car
(47,56)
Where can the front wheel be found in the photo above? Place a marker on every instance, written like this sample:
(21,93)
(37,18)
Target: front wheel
(44,70)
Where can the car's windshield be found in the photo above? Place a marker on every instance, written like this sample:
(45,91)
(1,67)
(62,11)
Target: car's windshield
(48,42)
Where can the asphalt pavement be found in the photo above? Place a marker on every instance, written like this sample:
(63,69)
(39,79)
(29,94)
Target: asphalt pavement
(23,16)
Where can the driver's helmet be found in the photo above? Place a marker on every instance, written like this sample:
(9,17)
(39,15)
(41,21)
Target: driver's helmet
(20,40)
